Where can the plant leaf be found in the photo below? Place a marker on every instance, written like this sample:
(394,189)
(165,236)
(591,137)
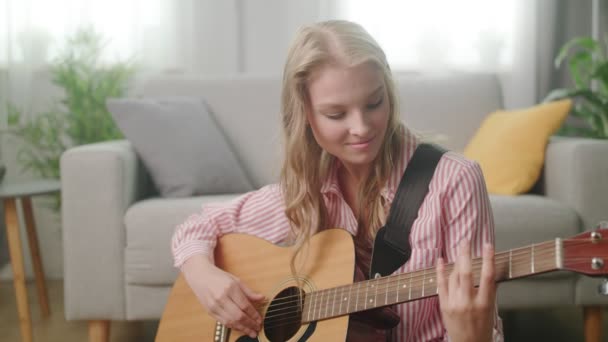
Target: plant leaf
(585,43)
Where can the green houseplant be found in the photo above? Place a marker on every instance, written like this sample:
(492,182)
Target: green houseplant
(80,117)
(588,66)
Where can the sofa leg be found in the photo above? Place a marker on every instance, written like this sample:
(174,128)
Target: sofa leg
(592,316)
(99,331)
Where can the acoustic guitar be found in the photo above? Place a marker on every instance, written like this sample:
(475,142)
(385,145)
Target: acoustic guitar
(326,269)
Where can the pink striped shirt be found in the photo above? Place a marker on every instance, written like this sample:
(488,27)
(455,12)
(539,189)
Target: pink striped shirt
(455,208)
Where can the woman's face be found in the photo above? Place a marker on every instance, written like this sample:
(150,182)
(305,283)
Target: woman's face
(349,112)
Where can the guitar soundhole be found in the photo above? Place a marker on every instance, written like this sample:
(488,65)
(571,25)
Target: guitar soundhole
(284,315)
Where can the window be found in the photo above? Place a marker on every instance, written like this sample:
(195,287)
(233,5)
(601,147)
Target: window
(439,34)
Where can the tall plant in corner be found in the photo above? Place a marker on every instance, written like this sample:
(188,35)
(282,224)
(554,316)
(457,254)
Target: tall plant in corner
(80,117)
(588,66)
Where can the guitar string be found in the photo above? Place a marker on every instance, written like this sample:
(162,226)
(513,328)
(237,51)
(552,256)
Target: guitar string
(540,251)
(516,260)
(327,305)
(388,292)
(386,288)
(285,319)
(415,280)
(417,285)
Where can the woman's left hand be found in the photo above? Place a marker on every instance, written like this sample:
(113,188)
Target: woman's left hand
(468,312)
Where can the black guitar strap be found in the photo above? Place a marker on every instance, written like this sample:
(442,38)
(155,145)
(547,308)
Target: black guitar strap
(391,245)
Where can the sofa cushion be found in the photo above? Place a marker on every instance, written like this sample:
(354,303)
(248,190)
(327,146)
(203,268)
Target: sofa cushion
(510,145)
(150,224)
(180,144)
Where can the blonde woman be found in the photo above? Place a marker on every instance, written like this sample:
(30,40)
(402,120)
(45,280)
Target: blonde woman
(345,153)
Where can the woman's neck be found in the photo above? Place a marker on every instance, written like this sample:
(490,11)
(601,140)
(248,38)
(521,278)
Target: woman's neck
(353,176)
(349,185)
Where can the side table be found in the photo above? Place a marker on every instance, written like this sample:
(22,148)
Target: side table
(10,193)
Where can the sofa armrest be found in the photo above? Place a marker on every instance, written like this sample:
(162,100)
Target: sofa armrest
(576,174)
(99,183)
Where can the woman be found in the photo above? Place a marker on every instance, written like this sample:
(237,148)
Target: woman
(345,153)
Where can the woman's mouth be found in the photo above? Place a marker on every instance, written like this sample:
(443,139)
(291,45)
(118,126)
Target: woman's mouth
(361,144)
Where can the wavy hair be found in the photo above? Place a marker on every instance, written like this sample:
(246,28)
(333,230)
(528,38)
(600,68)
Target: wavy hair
(305,163)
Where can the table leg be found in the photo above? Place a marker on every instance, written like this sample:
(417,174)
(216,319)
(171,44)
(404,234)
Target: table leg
(32,236)
(16,253)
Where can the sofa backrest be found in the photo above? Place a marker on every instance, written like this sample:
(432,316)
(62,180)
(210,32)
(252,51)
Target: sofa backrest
(247,108)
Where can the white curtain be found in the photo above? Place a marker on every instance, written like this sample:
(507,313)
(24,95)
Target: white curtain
(236,36)
(159,35)
(435,35)
(455,36)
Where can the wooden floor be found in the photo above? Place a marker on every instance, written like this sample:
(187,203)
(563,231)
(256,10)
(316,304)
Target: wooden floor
(537,325)
(55,328)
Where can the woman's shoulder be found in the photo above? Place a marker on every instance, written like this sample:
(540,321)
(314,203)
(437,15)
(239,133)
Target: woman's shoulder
(457,171)
(458,161)
(272,190)
(451,160)
(266,194)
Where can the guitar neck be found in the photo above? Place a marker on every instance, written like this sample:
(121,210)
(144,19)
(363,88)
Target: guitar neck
(405,287)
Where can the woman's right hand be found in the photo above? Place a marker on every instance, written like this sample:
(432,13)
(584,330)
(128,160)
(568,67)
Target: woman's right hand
(223,295)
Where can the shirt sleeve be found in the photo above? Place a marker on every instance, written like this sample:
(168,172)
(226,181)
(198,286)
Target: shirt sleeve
(468,215)
(260,213)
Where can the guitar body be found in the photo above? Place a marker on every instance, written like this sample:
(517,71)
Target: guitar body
(329,261)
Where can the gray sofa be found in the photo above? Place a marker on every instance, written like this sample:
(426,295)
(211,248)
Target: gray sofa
(117,230)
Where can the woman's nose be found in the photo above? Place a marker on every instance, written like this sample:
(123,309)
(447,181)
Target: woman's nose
(359,124)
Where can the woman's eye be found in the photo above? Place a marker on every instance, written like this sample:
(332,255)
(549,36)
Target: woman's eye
(376,104)
(335,116)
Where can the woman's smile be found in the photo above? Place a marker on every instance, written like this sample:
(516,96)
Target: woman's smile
(361,145)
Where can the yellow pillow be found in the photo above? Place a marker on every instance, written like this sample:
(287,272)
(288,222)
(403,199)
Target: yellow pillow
(510,145)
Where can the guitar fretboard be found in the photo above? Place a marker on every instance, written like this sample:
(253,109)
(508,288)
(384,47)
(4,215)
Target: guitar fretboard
(399,288)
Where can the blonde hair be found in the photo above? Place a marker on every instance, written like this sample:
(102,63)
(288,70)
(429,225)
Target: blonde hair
(306,164)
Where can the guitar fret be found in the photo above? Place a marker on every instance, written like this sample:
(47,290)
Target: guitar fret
(366,289)
(333,306)
(423,280)
(532,259)
(320,305)
(410,286)
(510,263)
(357,293)
(307,303)
(341,300)
(558,253)
(376,294)
(350,289)
(386,292)
(327,304)
(398,289)
(314,312)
